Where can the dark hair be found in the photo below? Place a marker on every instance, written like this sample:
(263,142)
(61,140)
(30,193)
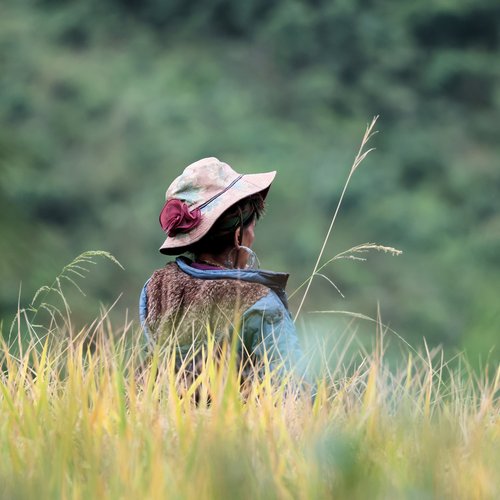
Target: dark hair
(221,234)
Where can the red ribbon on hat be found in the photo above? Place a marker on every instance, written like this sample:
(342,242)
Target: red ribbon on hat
(176,217)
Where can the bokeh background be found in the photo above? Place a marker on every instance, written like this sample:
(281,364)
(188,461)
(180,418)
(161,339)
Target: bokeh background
(104,102)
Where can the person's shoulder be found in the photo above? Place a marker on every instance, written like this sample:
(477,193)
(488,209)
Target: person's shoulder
(169,270)
(250,292)
(270,305)
(162,277)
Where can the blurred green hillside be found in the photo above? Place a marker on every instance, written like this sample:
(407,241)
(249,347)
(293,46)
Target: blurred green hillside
(103,103)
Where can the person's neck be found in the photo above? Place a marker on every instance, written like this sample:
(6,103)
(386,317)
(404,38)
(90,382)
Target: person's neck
(219,260)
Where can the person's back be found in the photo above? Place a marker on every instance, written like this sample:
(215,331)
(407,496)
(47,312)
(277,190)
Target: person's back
(211,213)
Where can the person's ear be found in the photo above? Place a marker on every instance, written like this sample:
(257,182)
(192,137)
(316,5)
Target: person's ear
(237,237)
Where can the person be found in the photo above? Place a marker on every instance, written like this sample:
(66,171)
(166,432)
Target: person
(213,285)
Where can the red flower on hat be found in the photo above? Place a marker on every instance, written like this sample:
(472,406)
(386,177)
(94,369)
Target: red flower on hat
(177,218)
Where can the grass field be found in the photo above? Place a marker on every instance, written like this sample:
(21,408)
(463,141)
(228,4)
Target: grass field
(77,421)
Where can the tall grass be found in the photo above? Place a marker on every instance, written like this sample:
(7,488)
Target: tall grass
(352,253)
(93,420)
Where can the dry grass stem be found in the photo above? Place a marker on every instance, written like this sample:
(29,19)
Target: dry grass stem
(360,156)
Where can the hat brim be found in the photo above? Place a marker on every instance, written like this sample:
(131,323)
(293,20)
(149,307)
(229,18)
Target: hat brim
(248,185)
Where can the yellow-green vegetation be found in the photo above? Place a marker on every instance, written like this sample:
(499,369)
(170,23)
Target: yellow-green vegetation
(104,102)
(85,414)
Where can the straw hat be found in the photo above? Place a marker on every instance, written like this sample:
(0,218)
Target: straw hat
(200,195)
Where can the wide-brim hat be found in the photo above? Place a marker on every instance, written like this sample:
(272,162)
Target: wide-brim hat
(200,195)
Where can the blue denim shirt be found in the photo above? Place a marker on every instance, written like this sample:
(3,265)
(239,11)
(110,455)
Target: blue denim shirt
(267,326)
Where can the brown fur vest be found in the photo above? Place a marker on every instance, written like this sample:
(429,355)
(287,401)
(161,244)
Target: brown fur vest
(183,308)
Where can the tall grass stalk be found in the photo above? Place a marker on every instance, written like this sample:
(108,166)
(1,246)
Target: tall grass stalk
(51,300)
(352,252)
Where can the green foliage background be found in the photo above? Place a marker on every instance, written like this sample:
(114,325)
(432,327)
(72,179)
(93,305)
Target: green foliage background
(103,103)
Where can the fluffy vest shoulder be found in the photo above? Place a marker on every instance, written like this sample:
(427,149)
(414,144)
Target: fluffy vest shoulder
(183,308)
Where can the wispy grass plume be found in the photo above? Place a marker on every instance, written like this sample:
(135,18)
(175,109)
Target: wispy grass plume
(51,299)
(352,252)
